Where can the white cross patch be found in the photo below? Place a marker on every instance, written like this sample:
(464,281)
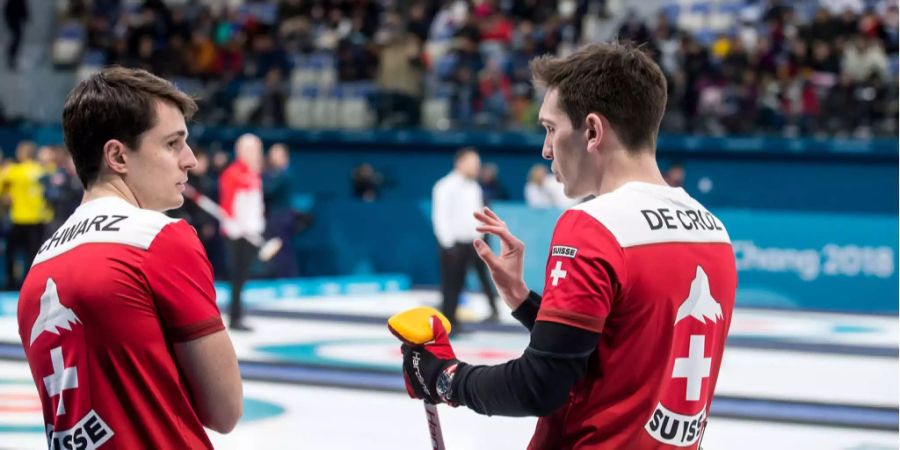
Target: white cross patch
(62,378)
(557,273)
(694,368)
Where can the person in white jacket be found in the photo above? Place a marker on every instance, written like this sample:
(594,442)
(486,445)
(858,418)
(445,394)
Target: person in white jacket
(455,198)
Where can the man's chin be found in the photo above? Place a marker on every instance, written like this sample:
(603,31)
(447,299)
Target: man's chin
(174,204)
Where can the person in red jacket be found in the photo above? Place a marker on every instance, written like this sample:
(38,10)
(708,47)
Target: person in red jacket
(627,339)
(241,197)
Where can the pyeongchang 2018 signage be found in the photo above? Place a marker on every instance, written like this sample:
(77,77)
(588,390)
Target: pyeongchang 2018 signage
(829,261)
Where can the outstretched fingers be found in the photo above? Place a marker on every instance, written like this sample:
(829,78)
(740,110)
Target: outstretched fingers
(485,219)
(492,215)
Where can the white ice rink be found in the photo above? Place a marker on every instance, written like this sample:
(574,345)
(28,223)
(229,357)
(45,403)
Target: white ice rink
(808,359)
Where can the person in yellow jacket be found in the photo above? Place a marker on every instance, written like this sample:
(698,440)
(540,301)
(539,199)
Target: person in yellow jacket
(29,212)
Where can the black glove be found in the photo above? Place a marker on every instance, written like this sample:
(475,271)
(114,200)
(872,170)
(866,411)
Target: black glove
(428,370)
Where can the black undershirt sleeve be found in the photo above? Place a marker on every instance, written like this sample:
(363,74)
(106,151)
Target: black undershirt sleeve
(526,313)
(535,384)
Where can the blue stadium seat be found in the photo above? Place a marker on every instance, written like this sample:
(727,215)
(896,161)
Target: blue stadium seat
(353,108)
(298,112)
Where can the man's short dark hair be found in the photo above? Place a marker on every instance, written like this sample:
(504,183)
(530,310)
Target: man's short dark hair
(116,103)
(616,80)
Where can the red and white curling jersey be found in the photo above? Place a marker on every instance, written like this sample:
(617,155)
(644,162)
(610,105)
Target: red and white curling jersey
(653,271)
(240,191)
(108,295)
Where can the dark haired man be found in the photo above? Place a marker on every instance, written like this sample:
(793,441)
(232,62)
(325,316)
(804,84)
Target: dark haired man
(117,315)
(453,200)
(627,340)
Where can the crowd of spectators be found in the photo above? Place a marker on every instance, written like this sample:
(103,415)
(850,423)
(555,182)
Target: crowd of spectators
(777,73)
(780,69)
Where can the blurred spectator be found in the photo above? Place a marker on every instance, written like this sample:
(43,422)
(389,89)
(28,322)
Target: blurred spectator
(399,75)
(841,107)
(171,60)
(29,212)
(634,29)
(846,24)
(366,182)
(203,55)
(270,112)
(447,21)
(824,59)
(280,220)
(822,28)
(495,94)
(863,58)
(356,59)
(62,188)
(497,28)
(243,219)
(491,187)
(694,64)
(465,64)
(537,195)
(16,14)
(266,54)
(419,20)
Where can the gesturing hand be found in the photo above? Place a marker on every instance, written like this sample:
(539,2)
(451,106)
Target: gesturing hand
(507,268)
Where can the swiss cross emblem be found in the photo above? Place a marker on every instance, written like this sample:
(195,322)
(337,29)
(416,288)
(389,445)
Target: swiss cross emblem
(680,416)
(557,273)
(60,380)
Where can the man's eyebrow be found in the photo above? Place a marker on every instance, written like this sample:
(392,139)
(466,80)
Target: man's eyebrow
(179,133)
(543,120)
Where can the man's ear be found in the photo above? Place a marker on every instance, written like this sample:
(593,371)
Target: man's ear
(593,131)
(115,156)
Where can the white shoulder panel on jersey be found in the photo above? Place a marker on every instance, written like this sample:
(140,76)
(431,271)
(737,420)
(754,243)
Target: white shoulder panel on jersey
(641,213)
(105,220)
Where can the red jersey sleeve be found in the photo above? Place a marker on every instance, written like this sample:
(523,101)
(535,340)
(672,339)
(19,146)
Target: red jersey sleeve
(584,273)
(180,276)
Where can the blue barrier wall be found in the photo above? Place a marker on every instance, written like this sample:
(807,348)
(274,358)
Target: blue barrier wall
(813,185)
